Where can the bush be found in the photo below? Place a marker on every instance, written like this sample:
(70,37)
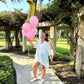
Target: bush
(6,70)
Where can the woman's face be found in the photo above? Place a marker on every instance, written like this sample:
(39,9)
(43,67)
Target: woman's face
(43,36)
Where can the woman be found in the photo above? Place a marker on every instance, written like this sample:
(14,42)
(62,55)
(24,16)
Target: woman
(41,58)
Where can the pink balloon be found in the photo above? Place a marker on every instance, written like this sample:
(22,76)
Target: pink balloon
(30,35)
(26,27)
(34,21)
(34,30)
(25,34)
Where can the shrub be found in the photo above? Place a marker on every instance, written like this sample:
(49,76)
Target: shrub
(6,70)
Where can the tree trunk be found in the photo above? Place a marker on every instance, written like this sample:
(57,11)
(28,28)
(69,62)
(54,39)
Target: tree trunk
(53,30)
(40,33)
(72,41)
(16,39)
(80,49)
(32,8)
(40,4)
(8,40)
(24,42)
(60,33)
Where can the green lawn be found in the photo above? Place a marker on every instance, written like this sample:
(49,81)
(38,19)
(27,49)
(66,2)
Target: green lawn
(35,39)
(58,39)
(2,44)
(61,49)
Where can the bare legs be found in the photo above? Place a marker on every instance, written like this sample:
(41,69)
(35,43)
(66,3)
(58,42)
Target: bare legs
(35,69)
(43,71)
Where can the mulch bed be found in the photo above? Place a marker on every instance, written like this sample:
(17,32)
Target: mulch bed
(66,73)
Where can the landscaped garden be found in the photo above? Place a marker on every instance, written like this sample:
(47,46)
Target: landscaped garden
(63,59)
(68,62)
(63,62)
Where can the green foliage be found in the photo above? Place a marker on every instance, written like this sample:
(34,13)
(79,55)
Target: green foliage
(2,35)
(4,1)
(6,70)
(63,11)
(13,19)
(64,33)
(74,20)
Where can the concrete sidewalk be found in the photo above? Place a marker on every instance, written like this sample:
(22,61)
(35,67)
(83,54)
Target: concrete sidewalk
(24,72)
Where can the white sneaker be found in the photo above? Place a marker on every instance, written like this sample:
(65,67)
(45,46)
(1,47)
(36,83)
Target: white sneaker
(41,81)
(34,79)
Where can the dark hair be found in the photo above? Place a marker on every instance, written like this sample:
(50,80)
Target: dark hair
(46,39)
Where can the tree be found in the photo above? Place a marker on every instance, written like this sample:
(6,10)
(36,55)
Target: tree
(65,12)
(32,8)
(12,21)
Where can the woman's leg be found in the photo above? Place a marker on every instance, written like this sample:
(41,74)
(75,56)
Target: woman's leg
(43,71)
(35,65)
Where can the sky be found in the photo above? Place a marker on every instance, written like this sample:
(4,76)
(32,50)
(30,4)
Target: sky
(21,5)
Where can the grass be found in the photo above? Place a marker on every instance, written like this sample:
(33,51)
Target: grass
(62,39)
(2,44)
(30,47)
(35,39)
(2,39)
(58,39)
(55,67)
(61,49)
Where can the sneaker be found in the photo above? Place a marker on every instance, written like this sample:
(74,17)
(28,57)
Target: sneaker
(41,81)
(34,79)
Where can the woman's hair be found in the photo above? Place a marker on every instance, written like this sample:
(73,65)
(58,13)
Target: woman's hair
(46,39)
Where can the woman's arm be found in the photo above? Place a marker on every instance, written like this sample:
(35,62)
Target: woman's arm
(51,58)
(31,43)
(49,52)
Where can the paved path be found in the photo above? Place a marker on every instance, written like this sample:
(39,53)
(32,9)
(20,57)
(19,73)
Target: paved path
(24,72)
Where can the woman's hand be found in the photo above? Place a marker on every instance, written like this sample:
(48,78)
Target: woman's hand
(30,42)
(28,39)
(51,58)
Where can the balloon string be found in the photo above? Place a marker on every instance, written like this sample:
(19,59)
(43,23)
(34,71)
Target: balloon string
(28,51)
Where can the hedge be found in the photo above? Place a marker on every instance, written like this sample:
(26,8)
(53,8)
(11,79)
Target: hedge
(6,70)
